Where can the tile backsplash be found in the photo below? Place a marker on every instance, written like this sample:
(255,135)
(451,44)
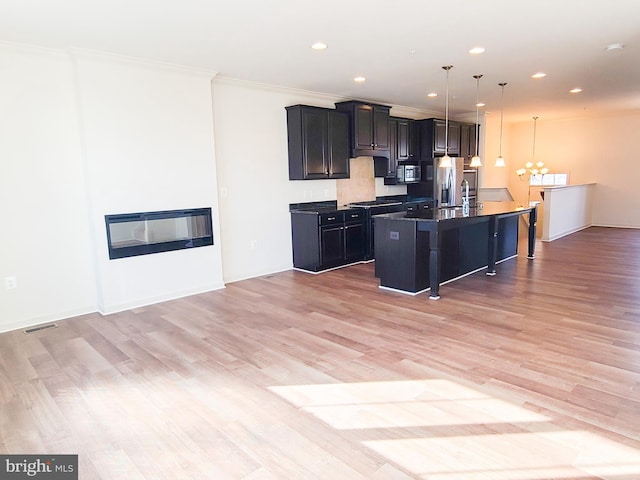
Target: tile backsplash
(361,186)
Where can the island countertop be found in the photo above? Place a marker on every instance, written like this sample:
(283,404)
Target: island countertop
(486,209)
(416,250)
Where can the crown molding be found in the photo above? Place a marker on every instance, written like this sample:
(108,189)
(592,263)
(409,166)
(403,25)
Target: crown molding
(397,110)
(78,53)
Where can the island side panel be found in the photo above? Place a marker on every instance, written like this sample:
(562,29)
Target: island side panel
(507,237)
(402,255)
(305,241)
(472,248)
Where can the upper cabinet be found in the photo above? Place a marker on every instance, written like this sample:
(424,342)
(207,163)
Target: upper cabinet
(369,128)
(404,141)
(467,141)
(433,137)
(318,143)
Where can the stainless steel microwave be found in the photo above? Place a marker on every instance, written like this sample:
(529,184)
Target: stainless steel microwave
(408,173)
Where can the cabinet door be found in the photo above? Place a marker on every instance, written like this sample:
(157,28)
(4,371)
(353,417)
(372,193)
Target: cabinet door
(464,143)
(338,144)
(381,128)
(439,138)
(393,150)
(414,141)
(467,141)
(403,139)
(363,127)
(454,139)
(331,246)
(314,131)
(354,242)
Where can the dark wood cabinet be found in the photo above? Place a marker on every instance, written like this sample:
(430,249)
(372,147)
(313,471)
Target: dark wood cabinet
(318,143)
(392,164)
(433,136)
(467,141)
(414,142)
(403,144)
(327,240)
(369,128)
(338,144)
(404,140)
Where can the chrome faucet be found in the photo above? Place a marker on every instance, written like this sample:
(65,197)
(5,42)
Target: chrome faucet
(464,188)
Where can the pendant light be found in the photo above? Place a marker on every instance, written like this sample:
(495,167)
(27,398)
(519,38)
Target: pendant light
(475,161)
(500,160)
(533,167)
(445,161)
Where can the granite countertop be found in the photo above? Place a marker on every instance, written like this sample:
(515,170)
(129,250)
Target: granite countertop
(450,213)
(321,209)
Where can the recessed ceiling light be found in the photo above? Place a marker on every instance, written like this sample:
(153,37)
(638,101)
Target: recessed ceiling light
(319,46)
(575,90)
(480,104)
(359,79)
(476,50)
(614,47)
(432,94)
(539,75)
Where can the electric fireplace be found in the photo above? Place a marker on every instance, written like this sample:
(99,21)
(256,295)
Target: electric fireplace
(132,234)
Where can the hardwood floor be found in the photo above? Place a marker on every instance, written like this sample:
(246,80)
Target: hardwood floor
(532,374)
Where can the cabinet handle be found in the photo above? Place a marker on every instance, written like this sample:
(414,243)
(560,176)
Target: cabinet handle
(354,215)
(331,218)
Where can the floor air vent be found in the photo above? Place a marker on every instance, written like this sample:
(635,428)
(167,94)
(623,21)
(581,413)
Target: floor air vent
(41,327)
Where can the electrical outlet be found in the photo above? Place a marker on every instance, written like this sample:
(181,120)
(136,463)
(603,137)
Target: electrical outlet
(10,283)
(254,244)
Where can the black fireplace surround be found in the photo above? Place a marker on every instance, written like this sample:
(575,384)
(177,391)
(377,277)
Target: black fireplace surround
(132,234)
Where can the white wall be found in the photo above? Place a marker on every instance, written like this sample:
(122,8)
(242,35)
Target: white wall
(491,176)
(44,240)
(602,150)
(253,176)
(84,135)
(567,209)
(148,135)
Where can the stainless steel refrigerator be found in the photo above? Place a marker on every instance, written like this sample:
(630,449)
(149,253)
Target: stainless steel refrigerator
(448,182)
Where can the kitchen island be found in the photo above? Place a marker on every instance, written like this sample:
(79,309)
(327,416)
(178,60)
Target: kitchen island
(417,251)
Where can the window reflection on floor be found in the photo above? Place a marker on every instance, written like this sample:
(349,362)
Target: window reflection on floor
(439,429)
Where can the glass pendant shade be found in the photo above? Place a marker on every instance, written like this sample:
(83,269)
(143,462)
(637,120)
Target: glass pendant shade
(475,161)
(500,162)
(445,162)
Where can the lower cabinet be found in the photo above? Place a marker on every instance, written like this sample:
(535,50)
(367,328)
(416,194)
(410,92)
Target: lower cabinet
(327,240)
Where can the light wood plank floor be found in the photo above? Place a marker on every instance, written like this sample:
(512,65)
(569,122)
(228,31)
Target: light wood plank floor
(532,374)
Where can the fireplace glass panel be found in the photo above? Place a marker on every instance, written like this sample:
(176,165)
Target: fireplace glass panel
(152,232)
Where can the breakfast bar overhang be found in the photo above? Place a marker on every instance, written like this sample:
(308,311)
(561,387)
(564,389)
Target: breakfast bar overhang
(418,251)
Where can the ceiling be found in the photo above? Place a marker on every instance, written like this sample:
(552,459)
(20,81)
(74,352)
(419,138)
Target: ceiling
(398,46)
